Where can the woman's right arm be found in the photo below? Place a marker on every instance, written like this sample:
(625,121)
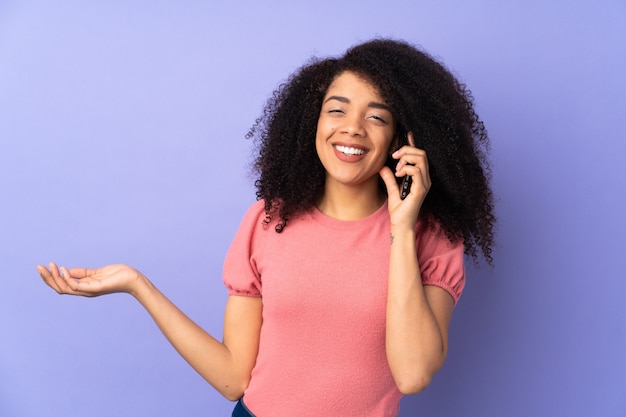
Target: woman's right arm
(226,365)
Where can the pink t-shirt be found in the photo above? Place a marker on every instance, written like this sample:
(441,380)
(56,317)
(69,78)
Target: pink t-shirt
(324,287)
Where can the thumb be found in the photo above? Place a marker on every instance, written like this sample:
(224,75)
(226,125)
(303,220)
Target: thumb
(390,181)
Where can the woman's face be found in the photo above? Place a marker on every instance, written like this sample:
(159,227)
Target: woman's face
(354,132)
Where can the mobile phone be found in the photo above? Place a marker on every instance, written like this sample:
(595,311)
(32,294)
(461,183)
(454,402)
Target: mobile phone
(405,188)
(407,180)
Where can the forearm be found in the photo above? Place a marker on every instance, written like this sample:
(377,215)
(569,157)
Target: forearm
(207,355)
(415,344)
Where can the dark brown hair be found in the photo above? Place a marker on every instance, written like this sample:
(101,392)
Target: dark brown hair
(425,98)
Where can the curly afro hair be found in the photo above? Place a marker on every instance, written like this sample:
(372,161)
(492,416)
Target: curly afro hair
(425,98)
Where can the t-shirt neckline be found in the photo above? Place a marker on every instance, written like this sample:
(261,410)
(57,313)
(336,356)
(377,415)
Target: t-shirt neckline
(333,223)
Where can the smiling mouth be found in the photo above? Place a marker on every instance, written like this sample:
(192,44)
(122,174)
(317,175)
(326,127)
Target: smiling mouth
(349,150)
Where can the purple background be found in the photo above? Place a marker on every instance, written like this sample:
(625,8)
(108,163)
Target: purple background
(121,133)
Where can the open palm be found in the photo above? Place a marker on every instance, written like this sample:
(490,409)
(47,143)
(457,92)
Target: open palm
(90,282)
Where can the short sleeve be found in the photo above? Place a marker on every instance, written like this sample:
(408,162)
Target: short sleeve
(441,261)
(240,274)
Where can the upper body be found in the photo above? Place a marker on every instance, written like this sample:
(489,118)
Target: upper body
(334,142)
(323,284)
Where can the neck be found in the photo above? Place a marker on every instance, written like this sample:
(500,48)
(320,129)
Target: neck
(351,203)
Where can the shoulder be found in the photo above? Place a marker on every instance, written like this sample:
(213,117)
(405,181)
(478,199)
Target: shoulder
(254,217)
(441,260)
(256,209)
(432,238)
(258,221)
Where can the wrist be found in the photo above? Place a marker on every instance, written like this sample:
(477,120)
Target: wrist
(140,287)
(402,230)
(402,235)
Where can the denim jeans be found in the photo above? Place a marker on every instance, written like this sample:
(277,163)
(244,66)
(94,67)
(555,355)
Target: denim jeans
(241,410)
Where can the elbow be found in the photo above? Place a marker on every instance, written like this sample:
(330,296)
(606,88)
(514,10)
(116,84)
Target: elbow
(415,378)
(233,392)
(233,395)
(418,380)
(413,385)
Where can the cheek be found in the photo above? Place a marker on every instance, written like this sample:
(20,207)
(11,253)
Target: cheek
(385,156)
(389,143)
(382,160)
(325,125)
(325,129)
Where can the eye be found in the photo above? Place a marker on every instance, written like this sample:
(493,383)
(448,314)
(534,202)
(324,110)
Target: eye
(378,118)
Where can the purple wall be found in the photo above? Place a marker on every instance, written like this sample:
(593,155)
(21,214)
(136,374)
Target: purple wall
(121,133)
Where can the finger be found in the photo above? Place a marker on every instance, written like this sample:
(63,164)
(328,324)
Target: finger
(63,279)
(53,278)
(424,171)
(412,157)
(56,272)
(407,148)
(45,274)
(42,270)
(54,269)
(74,286)
(410,138)
(421,181)
(422,166)
(408,155)
(82,272)
(390,181)
(418,159)
(85,288)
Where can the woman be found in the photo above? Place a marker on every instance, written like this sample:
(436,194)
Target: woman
(341,289)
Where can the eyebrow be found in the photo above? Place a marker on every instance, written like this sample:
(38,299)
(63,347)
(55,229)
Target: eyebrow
(372,104)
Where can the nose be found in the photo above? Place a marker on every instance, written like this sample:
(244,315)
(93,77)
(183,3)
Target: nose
(353,126)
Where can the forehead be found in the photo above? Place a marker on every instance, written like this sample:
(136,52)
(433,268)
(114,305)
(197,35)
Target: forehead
(355,84)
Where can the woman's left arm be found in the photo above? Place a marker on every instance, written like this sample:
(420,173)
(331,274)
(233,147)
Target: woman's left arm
(418,316)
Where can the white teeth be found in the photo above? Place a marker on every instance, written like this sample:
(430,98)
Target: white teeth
(349,151)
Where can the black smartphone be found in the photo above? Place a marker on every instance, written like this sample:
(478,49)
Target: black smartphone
(405,188)
(407,180)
